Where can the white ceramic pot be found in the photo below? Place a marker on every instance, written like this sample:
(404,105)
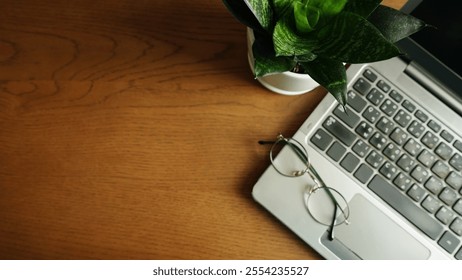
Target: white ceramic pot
(287,83)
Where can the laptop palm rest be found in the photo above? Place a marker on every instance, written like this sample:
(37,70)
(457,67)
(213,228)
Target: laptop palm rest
(376,236)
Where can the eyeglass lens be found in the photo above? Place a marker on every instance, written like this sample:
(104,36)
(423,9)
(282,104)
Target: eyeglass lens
(289,158)
(322,207)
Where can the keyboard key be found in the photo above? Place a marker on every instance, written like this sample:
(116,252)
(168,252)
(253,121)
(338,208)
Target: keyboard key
(444,151)
(458,256)
(371,114)
(370,75)
(364,173)
(406,163)
(356,101)
(421,116)
(454,180)
(375,96)
(375,159)
(430,140)
(364,130)
(361,148)
(321,139)
(456,226)
(399,136)
(409,106)
(416,193)
(448,196)
(339,131)
(336,151)
(416,129)
(406,207)
(441,169)
(458,207)
(389,107)
(362,86)
(402,181)
(413,147)
(445,215)
(392,151)
(388,170)
(383,86)
(434,185)
(403,118)
(436,127)
(458,145)
(426,158)
(396,96)
(449,242)
(385,125)
(456,162)
(447,136)
(378,141)
(420,174)
(431,204)
(350,162)
(349,118)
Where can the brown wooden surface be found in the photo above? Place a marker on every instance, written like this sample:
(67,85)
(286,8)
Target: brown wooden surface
(128,130)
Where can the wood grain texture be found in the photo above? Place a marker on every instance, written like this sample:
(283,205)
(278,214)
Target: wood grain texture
(128,130)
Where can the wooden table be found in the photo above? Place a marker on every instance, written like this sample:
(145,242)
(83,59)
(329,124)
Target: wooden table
(128,130)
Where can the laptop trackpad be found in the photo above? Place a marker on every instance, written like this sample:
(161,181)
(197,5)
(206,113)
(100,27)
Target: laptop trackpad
(373,235)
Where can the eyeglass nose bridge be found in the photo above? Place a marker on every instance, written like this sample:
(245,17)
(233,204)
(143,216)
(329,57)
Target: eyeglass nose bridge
(315,176)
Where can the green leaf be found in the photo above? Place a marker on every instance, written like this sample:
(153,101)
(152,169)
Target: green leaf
(265,60)
(393,24)
(282,6)
(328,7)
(288,43)
(306,17)
(362,7)
(352,39)
(330,74)
(262,11)
(242,12)
(305,57)
(310,14)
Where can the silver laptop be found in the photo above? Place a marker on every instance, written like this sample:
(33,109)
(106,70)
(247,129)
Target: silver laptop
(395,157)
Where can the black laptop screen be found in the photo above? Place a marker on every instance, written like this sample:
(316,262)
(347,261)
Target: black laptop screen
(445,40)
(437,49)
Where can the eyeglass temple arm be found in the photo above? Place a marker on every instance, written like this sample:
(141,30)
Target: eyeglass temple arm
(332,225)
(266,142)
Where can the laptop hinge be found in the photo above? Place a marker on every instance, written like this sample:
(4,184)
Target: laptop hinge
(443,93)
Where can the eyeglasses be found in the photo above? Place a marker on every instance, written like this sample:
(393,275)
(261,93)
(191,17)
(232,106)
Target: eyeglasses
(325,204)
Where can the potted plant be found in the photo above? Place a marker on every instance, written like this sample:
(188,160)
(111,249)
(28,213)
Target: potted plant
(318,37)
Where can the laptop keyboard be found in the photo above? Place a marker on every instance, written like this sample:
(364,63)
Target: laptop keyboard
(402,154)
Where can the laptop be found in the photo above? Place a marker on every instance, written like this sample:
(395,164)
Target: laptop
(396,156)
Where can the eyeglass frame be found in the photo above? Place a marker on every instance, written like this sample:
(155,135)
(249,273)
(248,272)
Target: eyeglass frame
(302,153)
